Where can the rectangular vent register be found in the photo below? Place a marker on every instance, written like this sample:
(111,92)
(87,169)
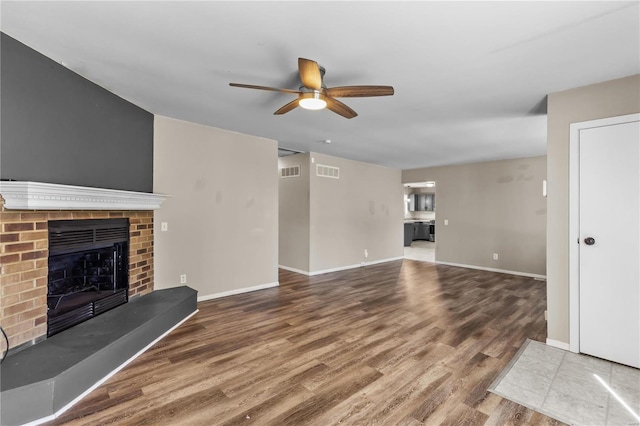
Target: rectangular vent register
(292,171)
(327,171)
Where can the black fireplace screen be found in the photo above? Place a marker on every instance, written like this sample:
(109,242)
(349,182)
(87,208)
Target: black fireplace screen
(88,270)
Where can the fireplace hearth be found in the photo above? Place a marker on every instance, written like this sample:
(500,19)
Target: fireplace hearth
(88,270)
(26,209)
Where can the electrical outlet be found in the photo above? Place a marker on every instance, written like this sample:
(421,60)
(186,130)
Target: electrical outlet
(446,222)
(366,253)
(183,279)
(164,226)
(545,315)
(495,256)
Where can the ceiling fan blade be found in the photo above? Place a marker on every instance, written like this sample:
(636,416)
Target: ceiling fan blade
(359,91)
(272,89)
(339,108)
(310,74)
(286,108)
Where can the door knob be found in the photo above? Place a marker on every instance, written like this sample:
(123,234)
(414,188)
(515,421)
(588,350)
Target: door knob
(589,241)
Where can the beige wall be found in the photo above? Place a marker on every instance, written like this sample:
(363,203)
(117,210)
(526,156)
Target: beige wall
(294,214)
(360,210)
(607,99)
(492,207)
(222,213)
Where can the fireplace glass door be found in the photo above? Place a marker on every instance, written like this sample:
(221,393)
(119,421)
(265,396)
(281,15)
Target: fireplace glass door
(88,270)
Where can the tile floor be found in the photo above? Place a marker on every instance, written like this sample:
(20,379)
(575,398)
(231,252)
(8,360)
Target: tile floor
(421,250)
(571,387)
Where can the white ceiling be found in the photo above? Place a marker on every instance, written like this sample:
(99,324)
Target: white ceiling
(470,78)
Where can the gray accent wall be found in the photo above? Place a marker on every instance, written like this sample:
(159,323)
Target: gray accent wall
(601,100)
(491,207)
(58,127)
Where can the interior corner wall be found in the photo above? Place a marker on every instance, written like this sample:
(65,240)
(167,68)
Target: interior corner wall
(293,199)
(58,127)
(601,100)
(222,209)
(362,210)
(491,207)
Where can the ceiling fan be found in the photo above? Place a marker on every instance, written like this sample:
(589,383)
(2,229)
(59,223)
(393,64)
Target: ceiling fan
(313,94)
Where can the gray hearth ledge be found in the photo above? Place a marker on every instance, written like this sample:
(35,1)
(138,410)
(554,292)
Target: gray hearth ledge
(40,382)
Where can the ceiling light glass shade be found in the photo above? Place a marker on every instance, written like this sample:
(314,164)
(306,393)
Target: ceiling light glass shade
(312,101)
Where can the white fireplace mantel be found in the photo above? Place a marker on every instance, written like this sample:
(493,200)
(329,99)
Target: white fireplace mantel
(22,195)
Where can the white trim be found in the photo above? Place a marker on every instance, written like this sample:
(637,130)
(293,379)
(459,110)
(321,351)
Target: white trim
(557,344)
(354,266)
(108,376)
(340,268)
(574,218)
(50,196)
(337,269)
(502,271)
(237,291)
(297,271)
(390,259)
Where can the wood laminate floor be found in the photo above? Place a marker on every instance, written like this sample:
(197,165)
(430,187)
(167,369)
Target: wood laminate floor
(403,342)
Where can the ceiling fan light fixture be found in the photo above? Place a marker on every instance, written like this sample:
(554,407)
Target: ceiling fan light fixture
(314,95)
(312,101)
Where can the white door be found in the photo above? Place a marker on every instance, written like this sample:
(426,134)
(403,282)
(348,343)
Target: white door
(609,247)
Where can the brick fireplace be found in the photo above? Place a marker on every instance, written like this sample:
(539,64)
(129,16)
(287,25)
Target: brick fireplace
(25,211)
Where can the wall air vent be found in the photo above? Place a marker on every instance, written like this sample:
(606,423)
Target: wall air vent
(327,171)
(292,171)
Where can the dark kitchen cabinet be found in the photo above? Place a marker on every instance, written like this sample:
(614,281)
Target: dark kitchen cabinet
(423,231)
(422,202)
(409,232)
(419,231)
(430,202)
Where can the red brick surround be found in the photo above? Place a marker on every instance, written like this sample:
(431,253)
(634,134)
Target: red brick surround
(24,261)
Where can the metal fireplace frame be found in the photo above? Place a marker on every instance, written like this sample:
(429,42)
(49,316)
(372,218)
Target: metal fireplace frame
(79,243)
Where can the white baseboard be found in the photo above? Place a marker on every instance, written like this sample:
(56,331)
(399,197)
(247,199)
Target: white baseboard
(503,271)
(237,291)
(391,259)
(558,344)
(339,268)
(297,271)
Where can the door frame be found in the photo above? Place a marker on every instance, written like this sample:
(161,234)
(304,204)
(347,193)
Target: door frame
(574,218)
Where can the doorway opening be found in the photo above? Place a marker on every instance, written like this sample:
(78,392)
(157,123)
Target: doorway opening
(420,221)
